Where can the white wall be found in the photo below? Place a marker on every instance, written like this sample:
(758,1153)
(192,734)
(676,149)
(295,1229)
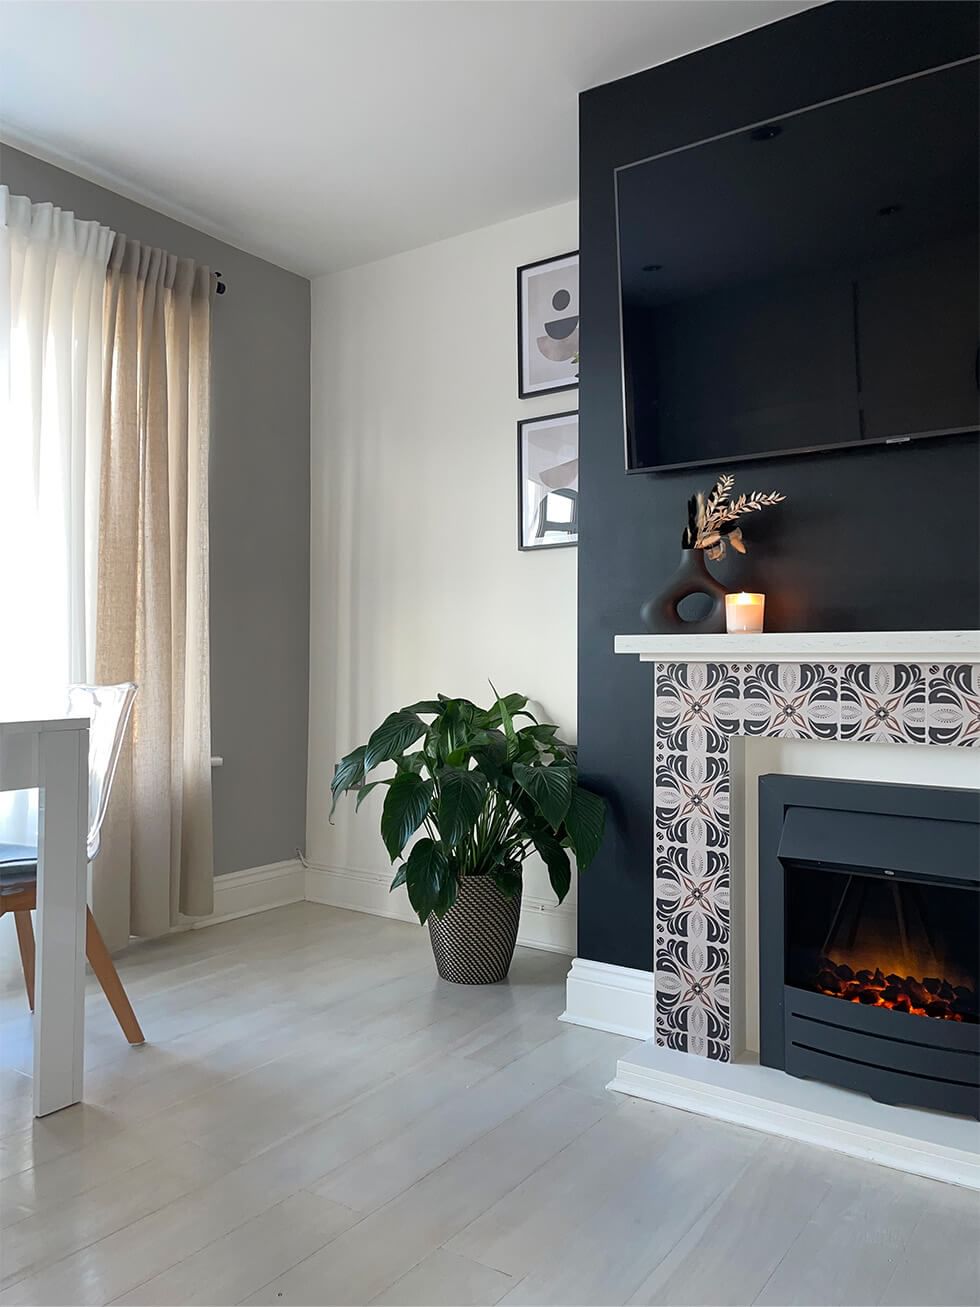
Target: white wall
(417,583)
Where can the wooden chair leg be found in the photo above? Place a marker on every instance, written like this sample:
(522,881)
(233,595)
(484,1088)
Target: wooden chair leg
(25,941)
(108,977)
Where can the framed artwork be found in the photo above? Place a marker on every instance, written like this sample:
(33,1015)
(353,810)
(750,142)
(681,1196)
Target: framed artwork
(547,482)
(547,326)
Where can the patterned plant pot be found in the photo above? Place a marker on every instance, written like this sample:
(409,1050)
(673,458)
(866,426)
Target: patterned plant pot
(473,943)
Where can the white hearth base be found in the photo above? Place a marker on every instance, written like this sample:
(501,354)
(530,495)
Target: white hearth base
(932,1144)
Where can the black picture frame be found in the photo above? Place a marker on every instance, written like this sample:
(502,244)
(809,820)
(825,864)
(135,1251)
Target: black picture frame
(522,543)
(526,388)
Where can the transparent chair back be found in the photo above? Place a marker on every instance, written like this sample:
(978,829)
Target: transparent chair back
(108,708)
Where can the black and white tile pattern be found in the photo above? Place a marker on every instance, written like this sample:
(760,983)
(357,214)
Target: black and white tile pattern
(699,708)
(953,704)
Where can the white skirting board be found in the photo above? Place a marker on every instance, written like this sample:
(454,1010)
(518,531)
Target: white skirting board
(240,893)
(606,997)
(543,925)
(925,1143)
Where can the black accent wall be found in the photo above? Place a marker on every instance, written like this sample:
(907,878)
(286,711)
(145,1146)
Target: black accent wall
(885,538)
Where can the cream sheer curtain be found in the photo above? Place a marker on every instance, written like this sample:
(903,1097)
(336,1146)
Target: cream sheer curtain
(52,282)
(152,617)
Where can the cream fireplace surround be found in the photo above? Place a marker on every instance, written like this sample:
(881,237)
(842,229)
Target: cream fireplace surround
(892,706)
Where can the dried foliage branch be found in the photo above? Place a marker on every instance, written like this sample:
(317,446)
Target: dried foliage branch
(712,519)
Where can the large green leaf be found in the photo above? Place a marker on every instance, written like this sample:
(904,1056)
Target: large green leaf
(431,884)
(549,787)
(548,741)
(556,860)
(406,804)
(543,733)
(426,706)
(489,752)
(393,736)
(508,878)
(451,734)
(501,712)
(347,775)
(461,795)
(365,790)
(477,738)
(585,822)
(505,707)
(447,894)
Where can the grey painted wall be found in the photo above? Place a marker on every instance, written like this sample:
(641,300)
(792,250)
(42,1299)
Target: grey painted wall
(260,518)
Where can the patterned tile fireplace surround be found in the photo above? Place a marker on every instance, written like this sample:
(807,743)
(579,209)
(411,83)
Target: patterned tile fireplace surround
(699,708)
(865,688)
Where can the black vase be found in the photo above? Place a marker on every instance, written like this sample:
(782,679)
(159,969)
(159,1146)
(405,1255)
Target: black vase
(692,577)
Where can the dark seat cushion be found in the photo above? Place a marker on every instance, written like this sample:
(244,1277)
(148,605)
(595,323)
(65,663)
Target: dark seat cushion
(18,863)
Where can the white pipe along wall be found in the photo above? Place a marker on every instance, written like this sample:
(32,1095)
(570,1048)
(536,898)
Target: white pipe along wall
(417,583)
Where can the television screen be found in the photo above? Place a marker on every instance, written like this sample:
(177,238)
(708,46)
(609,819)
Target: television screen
(806,282)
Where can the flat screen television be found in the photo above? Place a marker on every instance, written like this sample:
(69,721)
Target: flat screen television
(806,282)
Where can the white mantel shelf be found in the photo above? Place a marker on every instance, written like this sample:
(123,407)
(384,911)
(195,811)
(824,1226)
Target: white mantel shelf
(806,646)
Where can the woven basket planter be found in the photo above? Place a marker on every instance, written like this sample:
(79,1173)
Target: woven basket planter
(474,942)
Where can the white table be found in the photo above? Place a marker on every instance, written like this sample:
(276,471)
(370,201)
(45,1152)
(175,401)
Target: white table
(50,754)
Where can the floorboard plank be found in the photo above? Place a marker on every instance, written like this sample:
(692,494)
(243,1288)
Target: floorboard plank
(367,1259)
(446,1280)
(44,1238)
(851,1247)
(658,1197)
(236,1264)
(729,1255)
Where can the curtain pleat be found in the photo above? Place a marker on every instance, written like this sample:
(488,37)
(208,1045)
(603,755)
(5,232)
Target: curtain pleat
(152,618)
(53,278)
(52,281)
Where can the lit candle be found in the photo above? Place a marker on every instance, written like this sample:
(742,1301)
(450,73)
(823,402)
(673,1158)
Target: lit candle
(744,613)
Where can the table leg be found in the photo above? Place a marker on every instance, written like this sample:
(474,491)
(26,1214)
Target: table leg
(59,1007)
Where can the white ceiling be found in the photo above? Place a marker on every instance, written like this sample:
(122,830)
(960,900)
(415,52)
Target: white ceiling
(325,134)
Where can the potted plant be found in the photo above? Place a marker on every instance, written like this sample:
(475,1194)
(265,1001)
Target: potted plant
(486,787)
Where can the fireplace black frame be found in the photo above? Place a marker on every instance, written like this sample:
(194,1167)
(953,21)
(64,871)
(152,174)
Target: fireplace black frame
(930,834)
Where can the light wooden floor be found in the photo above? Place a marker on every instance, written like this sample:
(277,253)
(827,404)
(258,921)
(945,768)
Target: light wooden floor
(317,1119)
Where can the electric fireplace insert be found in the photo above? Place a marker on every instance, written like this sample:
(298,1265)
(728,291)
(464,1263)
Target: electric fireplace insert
(869,927)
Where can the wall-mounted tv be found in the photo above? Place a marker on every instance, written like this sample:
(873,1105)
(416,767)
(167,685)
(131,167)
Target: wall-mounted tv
(807,282)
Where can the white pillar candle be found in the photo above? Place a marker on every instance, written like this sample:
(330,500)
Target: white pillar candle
(744,613)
